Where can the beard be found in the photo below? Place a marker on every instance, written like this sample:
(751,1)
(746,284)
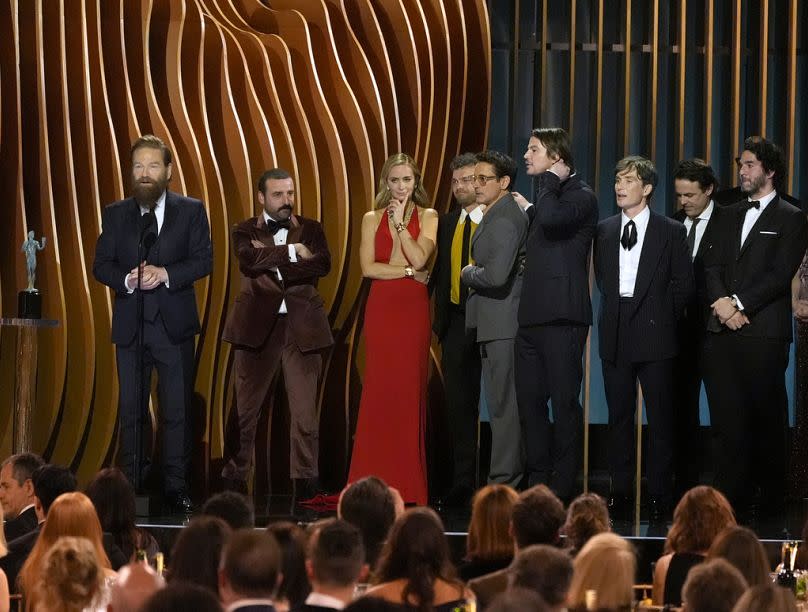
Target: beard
(147,191)
(753,185)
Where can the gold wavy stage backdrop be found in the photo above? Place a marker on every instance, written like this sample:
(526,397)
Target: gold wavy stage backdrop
(325,88)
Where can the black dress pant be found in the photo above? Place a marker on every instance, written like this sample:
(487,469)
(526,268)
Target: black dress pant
(549,367)
(687,393)
(460,362)
(175,376)
(746,390)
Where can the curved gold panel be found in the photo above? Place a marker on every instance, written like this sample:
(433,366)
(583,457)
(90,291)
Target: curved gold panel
(325,88)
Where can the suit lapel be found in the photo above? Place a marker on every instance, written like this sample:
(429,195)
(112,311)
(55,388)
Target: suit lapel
(753,234)
(651,250)
(295,231)
(611,258)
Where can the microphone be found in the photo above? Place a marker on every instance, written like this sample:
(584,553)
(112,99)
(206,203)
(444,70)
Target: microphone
(148,233)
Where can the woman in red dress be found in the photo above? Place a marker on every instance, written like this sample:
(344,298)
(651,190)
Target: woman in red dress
(398,239)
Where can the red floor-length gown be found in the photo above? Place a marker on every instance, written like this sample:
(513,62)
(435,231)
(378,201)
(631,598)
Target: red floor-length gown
(389,440)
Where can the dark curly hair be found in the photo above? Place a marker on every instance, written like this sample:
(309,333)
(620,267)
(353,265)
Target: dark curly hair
(771,157)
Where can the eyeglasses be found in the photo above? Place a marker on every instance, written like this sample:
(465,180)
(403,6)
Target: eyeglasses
(466,180)
(483,179)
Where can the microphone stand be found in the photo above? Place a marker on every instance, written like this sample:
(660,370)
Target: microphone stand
(145,241)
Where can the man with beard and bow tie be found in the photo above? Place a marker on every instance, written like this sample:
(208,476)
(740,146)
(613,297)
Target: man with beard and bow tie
(176,230)
(278,321)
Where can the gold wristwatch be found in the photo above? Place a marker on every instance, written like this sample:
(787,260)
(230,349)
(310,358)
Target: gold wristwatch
(408,272)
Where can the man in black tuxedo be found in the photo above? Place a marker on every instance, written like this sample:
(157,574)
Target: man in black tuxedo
(17,494)
(555,312)
(757,248)
(181,253)
(694,182)
(460,357)
(645,276)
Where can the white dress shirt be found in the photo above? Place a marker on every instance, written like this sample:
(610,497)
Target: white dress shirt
(324,601)
(753,214)
(280,239)
(476,215)
(159,213)
(704,220)
(630,259)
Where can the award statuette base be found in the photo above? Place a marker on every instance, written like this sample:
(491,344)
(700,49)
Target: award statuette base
(29,304)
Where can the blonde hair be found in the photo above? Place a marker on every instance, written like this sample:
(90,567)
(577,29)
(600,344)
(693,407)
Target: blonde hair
(489,536)
(72,514)
(419,194)
(607,565)
(70,578)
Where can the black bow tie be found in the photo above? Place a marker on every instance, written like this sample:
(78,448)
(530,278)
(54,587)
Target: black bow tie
(273,226)
(752,204)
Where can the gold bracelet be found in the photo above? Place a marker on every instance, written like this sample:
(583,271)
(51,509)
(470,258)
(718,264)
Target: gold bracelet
(400,227)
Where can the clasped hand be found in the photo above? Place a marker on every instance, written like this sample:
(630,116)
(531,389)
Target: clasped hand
(728,315)
(151,276)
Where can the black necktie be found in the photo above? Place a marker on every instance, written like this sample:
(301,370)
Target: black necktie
(464,257)
(691,236)
(629,238)
(752,204)
(273,226)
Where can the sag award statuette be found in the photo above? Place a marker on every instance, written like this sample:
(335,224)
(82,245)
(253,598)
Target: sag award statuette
(29,301)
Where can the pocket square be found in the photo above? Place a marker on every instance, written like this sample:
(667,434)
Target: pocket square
(769,233)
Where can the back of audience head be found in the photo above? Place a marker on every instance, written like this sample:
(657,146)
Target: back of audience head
(18,488)
(294,586)
(701,514)
(50,481)
(136,583)
(537,517)
(114,501)
(766,598)
(547,570)
(336,557)
(372,604)
(182,597)
(197,553)
(250,566)
(369,505)
(587,516)
(489,536)
(741,547)
(607,565)
(712,586)
(232,507)
(518,599)
(417,552)
(70,577)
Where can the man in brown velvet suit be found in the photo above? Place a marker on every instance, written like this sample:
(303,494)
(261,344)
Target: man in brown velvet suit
(278,321)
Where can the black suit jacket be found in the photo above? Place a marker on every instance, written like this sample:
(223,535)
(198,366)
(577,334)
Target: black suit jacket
(183,247)
(441,280)
(663,287)
(760,272)
(23,523)
(556,277)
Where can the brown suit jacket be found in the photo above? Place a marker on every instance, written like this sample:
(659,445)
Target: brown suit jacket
(487,587)
(256,306)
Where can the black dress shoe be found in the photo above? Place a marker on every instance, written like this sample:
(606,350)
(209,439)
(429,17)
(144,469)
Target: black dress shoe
(304,489)
(234,484)
(456,497)
(179,503)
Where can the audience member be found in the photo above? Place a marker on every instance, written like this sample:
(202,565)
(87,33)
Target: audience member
(136,582)
(197,553)
(294,587)
(606,565)
(232,507)
(741,547)
(49,481)
(518,599)
(114,501)
(536,518)
(713,586)
(766,598)
(71,579)
(415,569)
(250,571)
(372,604)
(17,494)
(547,570)
(335,563)
(370,505)
(489,544)
(587,516)
(701,514)
(4,592)
(72,514)
(182,597)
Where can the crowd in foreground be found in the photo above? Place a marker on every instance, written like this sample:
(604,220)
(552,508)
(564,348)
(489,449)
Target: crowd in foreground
(68,550)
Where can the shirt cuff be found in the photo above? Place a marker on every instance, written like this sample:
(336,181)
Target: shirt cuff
(167,278)
(126,283)
(738,302)
(292,253)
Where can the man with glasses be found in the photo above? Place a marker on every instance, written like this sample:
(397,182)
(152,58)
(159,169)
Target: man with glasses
(495,277)
(460,357)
